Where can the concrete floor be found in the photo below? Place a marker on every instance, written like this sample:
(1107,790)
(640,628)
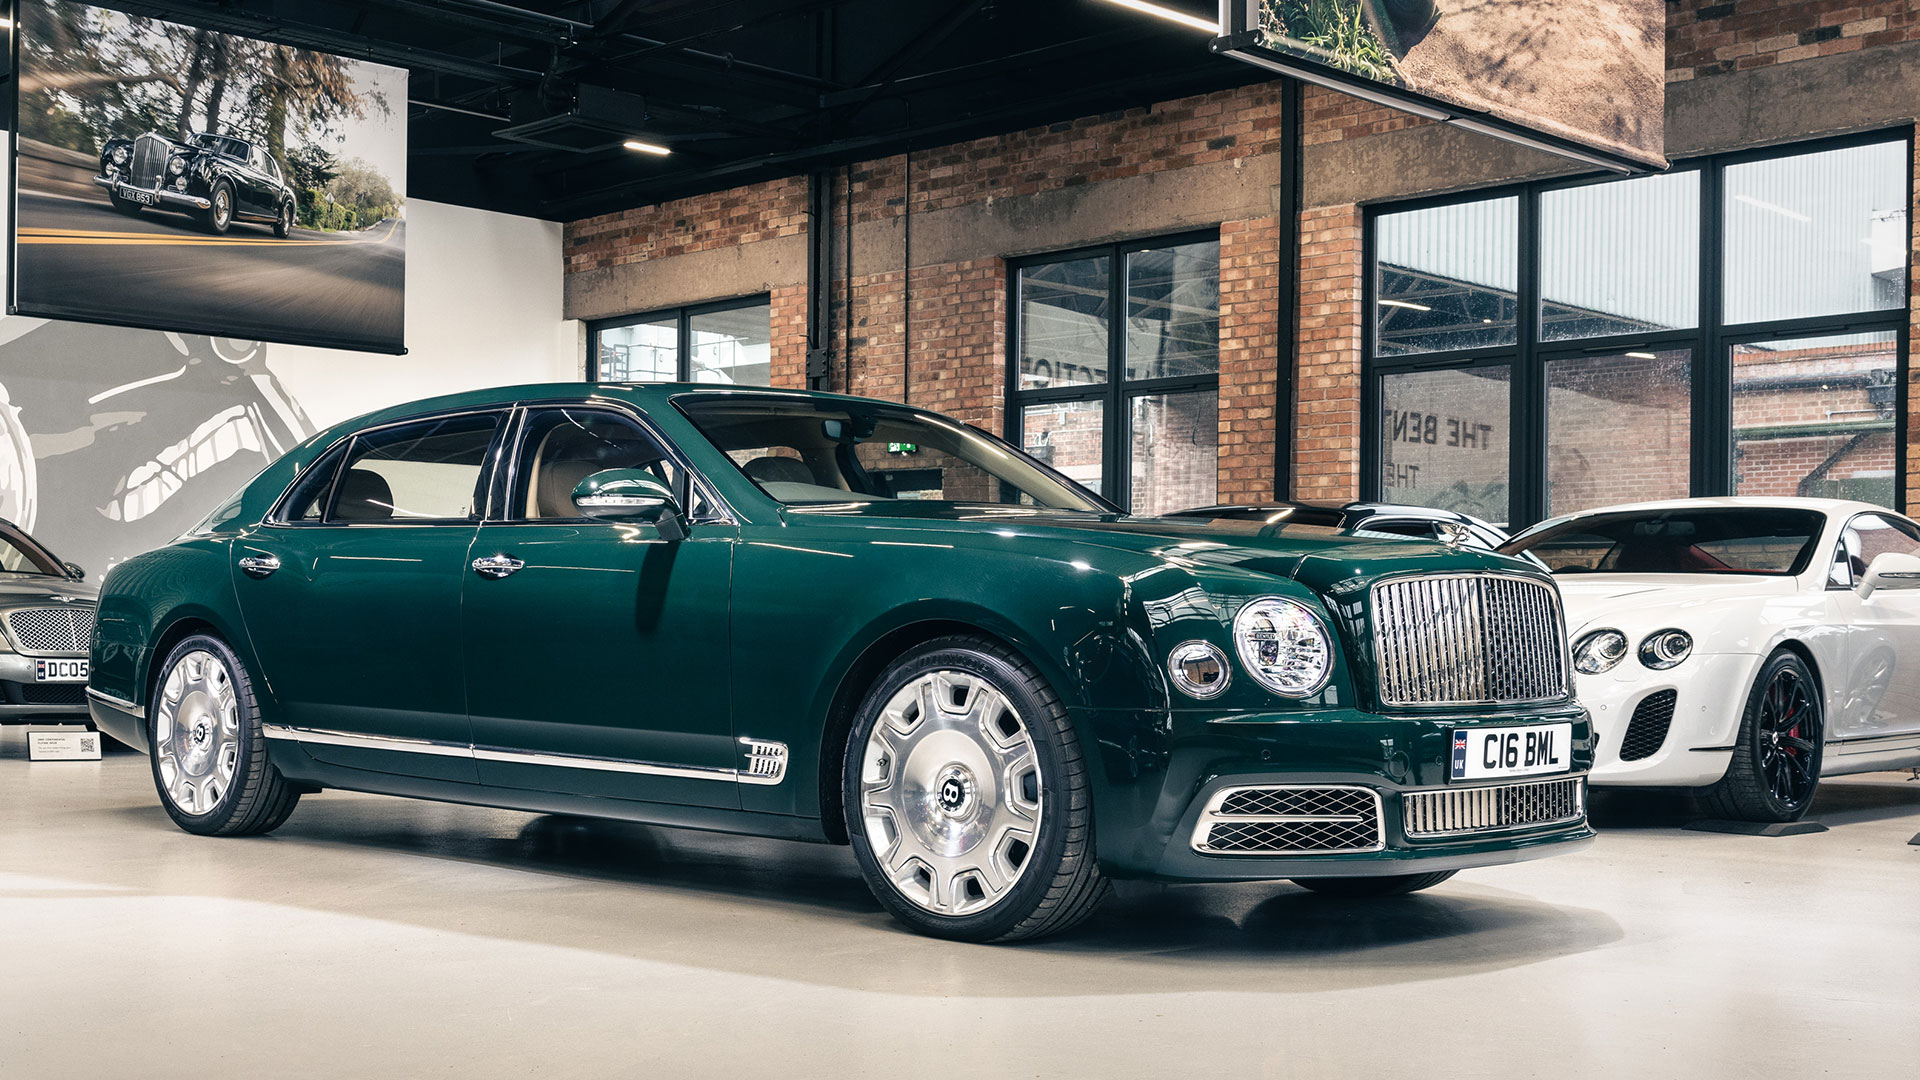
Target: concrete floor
(381,937)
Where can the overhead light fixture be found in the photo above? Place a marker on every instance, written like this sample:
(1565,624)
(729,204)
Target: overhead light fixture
(1772,208)
(1643,356)
(1184,18)
(646,147)
(1409,305)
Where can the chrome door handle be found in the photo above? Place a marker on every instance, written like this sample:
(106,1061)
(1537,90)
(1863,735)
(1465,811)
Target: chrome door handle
(497,566)
(259,566)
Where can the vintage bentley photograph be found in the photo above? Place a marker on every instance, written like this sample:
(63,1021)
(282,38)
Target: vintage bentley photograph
(181,179)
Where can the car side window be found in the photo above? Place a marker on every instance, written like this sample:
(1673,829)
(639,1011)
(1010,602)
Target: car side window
(1878,536)
(563,446)
(420,473)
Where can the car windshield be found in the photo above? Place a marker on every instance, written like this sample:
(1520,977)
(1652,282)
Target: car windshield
(20,557)
(802,451)
(1705,540)
(220,144)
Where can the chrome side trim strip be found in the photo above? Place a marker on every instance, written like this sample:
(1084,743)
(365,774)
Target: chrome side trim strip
(766,761)
(108,699)
(365,742)
(600,764)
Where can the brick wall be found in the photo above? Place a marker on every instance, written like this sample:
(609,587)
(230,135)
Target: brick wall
(1326,448)
(717,220)
(1713,38)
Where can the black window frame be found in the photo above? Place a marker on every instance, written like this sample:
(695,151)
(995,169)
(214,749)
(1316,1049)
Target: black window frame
(683,340)
(1710,343)
(1118,391)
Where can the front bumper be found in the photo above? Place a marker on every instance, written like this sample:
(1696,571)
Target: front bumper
(165,198)
(23,698)
(1709,695)
(1159,773)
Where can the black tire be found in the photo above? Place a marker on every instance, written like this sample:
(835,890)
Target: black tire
(1058,882)
(1365,887)
(213,218)
(283,225)
(255,798)
(1776,757)
(125,206)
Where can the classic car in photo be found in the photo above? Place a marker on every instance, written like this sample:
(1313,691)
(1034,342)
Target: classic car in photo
(1742,646)
(215,179)
(827,618)
(46,622)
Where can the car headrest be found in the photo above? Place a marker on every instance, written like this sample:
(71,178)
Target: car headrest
(364,496)
(778,470)
(555,493)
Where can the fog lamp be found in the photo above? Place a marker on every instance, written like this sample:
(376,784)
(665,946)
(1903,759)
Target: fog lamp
(1199,669)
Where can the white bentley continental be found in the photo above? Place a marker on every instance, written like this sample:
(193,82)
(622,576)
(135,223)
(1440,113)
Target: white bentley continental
(1742,646)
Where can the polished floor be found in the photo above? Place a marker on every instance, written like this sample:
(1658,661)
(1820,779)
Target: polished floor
(384,938)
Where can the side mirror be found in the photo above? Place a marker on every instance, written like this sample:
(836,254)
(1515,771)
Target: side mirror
(630,495)
(1890,570)
(73,571)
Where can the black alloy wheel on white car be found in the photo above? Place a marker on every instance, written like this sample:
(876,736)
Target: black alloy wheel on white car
(1776,757)
(209,756)
(967,798)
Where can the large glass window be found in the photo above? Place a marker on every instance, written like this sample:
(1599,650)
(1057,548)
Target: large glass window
(1128,406)
(728,343)
(1737,325)
(1815,416)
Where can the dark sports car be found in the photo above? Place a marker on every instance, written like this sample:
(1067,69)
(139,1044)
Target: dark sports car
(216,179)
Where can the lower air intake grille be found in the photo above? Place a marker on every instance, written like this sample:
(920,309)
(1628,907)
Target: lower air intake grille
(1648,728)
(1314,820)
(1453,811)
(53,694)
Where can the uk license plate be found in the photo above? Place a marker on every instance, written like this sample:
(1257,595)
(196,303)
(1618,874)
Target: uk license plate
(1479,753)
(138,195)
(59,671)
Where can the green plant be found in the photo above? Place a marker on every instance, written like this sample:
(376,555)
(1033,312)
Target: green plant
(1335,31)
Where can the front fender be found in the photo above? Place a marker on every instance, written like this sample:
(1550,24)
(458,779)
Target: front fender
(147,602)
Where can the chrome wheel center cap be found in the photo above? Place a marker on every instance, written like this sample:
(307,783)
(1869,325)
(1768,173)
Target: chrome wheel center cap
(957,792)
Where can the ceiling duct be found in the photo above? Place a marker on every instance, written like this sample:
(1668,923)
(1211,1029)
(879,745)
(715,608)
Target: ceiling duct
(581,118)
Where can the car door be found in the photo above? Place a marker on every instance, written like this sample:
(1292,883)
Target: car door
(255,185)
(597,652)
(1880,660)
(352,596)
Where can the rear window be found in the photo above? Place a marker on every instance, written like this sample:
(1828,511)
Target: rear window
(1708,540)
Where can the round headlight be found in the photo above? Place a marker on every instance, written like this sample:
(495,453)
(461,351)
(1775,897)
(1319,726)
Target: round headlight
(1199,669)
(1664,648)
(119,155)
(176,166)
(1598,652)
(1283,646)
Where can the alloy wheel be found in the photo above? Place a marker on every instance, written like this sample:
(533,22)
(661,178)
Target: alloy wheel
(1788,737)
(196,733)
(950,793)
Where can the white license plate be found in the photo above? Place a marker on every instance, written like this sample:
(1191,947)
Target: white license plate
(138,195)
(1512,751)
(59,671)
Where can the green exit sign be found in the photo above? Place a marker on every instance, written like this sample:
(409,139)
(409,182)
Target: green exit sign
(903,448)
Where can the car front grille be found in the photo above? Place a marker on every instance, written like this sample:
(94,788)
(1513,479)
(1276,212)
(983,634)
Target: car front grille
(1457,811)
(1647,731)
(52,630)
(1468,639)
(71,695)
(149,160)
(1292,820)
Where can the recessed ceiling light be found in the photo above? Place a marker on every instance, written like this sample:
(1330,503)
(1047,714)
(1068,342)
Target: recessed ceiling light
(1184,18)
(646,147)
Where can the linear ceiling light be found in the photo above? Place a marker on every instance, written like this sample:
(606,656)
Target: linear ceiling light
(1184,18)
(1643,356)
(1772,208)
(1409,305)
(646,147)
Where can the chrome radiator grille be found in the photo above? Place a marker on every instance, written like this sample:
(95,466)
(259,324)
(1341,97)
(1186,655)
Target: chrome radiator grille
(1468,639)
(149,160)
(52,630)
(1308,820)
(1454,811)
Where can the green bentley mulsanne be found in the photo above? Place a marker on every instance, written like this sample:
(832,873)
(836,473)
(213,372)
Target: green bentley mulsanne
(827,618)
